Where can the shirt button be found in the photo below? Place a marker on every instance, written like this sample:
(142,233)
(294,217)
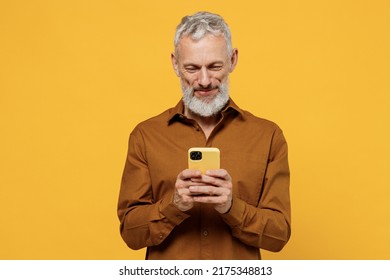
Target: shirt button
(205,233)
(161,236)
(178,216)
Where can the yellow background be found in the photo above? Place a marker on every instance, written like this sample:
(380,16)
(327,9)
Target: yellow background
(76,76)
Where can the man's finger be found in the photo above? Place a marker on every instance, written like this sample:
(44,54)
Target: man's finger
(218,173)
(206,190)
(188,174)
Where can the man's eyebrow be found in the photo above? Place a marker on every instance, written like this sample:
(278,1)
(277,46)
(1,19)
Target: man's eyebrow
(197,65)
(190,64)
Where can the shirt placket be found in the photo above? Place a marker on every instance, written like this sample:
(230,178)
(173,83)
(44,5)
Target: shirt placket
(206,234)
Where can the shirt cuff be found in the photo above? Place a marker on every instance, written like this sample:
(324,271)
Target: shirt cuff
(234,216)
(171,212)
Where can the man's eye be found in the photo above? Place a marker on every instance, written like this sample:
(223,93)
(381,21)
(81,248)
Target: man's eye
(215,67)
(191,69)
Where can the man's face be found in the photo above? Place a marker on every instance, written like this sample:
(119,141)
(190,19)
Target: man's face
(203,67)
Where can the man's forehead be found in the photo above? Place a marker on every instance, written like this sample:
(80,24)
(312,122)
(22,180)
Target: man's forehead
(208,45)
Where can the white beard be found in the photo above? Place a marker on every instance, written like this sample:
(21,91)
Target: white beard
(207,106)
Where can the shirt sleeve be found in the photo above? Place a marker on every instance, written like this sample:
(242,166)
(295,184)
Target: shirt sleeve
(143,221)
(267,225)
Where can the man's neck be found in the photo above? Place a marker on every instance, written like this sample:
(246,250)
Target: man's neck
(206,123)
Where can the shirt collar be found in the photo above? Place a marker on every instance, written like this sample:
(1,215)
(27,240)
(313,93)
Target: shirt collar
(177,112)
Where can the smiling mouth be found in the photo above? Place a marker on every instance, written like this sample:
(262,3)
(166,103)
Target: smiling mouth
(206,92)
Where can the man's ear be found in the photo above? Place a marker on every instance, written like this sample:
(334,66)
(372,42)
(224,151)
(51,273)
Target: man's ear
(175,64)
(233,59)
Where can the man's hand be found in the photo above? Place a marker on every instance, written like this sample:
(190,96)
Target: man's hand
(213,187)
(183,199)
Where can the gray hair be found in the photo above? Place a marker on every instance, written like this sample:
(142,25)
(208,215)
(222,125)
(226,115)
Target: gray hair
(201,24)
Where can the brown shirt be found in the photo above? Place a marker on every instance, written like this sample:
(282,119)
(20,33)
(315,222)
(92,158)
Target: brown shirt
(253,151)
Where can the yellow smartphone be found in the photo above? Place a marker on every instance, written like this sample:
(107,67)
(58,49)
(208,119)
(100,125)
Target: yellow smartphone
(203,159)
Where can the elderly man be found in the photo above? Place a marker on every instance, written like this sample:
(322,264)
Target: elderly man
(227,213)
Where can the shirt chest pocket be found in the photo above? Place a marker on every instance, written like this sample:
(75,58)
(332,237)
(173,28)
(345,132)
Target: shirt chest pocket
(247,171)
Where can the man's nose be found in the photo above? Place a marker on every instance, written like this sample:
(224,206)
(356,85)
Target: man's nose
(204,78)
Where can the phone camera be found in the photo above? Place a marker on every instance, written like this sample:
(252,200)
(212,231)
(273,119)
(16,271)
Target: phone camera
(196,155)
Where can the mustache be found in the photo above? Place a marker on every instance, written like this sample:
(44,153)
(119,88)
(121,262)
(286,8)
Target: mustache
(205,88)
